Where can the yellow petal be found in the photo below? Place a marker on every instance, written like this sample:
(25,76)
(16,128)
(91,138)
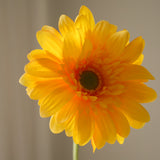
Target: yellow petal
(135,110)
(43,68)
(86,50)
(121,123)
(140,92)
(93,145)
(40,54)
(27,80)
(58,126)
(52,103)
(83,26)
(43,88)
(72,46)
(139,60)
(70,126)
(105,130)
(133,50)
(30,81)
(55,127)
(50,41)
(53,31)
(36,54)
(83,129)
(67,111)
(98,138)
(135,72)
(120,139)
(66,25)
(102,31)
(88,14)
(117,42)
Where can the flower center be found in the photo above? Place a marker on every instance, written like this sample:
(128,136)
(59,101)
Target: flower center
(89,80)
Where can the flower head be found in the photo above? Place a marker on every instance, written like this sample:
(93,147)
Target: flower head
(88,78)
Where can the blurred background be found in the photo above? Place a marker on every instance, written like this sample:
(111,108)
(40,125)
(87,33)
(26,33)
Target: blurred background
(26,136)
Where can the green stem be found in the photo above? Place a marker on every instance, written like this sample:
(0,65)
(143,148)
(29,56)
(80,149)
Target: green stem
(75,151)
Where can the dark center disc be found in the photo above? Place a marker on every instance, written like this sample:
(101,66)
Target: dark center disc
(89,80)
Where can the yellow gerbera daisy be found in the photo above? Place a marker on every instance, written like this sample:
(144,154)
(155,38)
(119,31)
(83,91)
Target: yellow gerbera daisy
(88,78)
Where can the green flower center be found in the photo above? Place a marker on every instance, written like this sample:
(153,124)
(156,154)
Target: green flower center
(89,80)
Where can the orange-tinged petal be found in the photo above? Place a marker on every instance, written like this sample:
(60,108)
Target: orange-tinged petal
(50,41)
(102,31)
(52,103)
(43,68)
(120,139)
(112,28)
(139,60)
(88,14)
(140,92)
(121,123)
(133,50)
(55,127)
(117,42)
(134,110)
(83,129)
(135,72)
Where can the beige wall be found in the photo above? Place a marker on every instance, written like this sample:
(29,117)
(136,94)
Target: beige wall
(23,134)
